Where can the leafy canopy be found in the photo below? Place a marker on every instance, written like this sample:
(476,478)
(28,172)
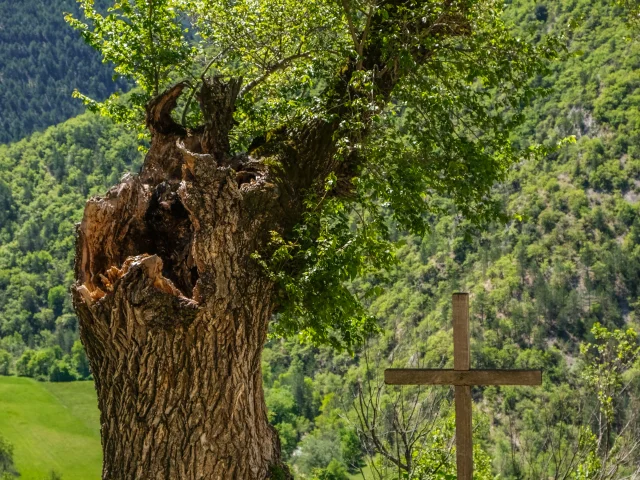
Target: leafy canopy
(440,128)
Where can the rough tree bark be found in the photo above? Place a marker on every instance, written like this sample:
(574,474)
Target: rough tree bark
(173,311)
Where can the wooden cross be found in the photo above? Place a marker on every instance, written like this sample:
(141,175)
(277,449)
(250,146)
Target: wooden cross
(463,378)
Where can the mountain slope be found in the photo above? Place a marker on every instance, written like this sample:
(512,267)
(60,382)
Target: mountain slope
(44,183)
(42,60)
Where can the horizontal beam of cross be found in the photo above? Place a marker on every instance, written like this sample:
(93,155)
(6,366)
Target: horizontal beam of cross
(420,376)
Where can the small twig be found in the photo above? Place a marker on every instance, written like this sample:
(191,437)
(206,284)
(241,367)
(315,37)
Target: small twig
(352,28)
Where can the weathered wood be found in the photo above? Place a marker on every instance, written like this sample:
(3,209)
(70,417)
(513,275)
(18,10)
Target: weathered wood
(464,433)
(461,356)
(461,364)
(416,376)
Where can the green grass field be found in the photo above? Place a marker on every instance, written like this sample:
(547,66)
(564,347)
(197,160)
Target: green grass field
(52,426)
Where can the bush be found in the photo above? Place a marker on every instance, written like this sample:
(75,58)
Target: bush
(22,365)
(5,362)
(7,469)
(334,471)
(288,437)
(62,371)
(39,363)
(42,362)
(56,298)
(609,176)
(317,451)
(351,449)
(548,219)
(281,405)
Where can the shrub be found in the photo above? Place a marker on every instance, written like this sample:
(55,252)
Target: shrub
(7,469)
(22,365)
(42,362)
(62,371)
(5,362)
(334,471)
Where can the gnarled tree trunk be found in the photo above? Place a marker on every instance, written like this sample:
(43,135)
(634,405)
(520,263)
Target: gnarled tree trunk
(174,313)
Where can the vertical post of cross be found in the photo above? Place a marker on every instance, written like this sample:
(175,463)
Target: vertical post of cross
(461,361)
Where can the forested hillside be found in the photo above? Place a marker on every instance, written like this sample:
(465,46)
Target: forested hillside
(44,182)
(41,62)
(556,288)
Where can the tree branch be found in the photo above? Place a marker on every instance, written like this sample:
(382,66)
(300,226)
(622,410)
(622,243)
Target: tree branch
(279,65)
(352,28)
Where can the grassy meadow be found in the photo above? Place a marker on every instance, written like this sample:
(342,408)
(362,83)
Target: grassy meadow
(52,426)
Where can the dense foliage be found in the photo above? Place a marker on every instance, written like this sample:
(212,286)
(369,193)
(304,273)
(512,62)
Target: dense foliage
(556,287)
(41,62)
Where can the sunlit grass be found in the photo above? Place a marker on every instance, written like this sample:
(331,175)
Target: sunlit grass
(52,426)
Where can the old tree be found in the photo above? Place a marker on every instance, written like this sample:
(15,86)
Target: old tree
(286,138)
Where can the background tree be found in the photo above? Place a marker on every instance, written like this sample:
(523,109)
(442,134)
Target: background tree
(611,378)
(402,429)
(5,362)
(317,119)
(7,468)
(407,432)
